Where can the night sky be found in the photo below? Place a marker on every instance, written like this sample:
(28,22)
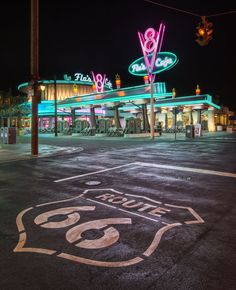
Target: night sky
(80,36)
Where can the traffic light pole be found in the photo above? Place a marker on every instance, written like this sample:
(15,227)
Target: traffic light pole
(175,121)
(34,70)
(34,123)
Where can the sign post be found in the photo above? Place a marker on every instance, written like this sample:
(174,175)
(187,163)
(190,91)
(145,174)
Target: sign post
(176,112)
(151,43)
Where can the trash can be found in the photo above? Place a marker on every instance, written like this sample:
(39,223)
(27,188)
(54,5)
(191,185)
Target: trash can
(219,128)
(189,131)
(2,135)
(197,130)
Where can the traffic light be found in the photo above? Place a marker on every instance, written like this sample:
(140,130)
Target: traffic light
(204,32)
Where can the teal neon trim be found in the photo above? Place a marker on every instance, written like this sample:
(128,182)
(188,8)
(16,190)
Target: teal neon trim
(104,94)
(92,94)
(214,105)
(187,103)
(22,85)
(59,82)
(206,99)
(111,100)
(128,108)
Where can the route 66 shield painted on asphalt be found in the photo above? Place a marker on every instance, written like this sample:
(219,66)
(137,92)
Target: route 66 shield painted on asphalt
(100,227)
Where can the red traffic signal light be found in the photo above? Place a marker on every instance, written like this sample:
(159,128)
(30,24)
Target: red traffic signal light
(204,32)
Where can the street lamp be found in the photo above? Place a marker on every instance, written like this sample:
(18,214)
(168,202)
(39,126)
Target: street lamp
(42,88)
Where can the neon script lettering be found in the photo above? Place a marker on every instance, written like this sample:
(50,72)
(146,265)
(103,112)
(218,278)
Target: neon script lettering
(86,78)
(80,77)
(159,63)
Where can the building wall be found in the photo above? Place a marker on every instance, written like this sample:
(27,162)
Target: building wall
(65,91)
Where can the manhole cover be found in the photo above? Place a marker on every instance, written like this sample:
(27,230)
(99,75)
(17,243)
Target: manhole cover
(93,182)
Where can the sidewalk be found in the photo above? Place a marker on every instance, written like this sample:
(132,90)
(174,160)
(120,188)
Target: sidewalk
(52,147)
(22,151)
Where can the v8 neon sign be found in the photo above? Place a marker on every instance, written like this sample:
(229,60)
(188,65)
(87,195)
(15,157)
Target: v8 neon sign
(151,43)
(99,81)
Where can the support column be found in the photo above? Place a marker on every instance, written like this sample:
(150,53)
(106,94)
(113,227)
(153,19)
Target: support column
(73,117)
(211,120)
(164,119)
(19,124)
(93,117)
(50,123)
(117,116)
(190,117)
(199,116)
(146,125)
(173,119)
(41,123)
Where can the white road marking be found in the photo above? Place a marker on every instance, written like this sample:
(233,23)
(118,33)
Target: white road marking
(101,189)
(144,197)
(189,169)
(100,203)
(129,212)
(145,217)
(162,166)
(91,173)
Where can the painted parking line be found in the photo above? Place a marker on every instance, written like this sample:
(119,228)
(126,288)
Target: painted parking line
(92,173)
(161,166)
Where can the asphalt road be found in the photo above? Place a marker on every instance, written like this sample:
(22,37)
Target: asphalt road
(121,215)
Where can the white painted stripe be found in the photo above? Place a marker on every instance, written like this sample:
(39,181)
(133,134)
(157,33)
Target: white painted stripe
(129,212)
(101,203)
(171,167)
(91,173)
(144,197)
(101,189)
(188,169)
(145,217)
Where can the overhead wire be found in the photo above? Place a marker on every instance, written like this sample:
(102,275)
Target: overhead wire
(188,12)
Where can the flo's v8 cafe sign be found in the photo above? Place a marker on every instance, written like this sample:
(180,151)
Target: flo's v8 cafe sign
(164,61)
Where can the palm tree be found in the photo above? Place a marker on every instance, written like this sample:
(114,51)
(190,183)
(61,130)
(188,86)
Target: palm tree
(10,105)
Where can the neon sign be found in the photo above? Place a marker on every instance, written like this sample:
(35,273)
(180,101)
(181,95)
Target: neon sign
(151,43)
(82,78)
(99,81)
(79,77)
(164,61)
